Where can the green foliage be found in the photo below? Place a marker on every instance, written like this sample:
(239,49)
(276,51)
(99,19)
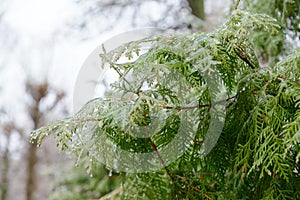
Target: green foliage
(146,186)
(257,154)
(80,186)
(286,12)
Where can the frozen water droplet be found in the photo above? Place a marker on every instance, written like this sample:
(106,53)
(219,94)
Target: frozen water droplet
(110,173)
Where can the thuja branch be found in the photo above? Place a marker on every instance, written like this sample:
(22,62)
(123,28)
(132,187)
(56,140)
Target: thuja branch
(112,194)
(196,106)
(154,148)
(191,187)
(198,190)
(76,121)
(85,120)
(243,56)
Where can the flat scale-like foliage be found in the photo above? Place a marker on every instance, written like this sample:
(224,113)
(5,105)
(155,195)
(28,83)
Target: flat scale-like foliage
(257,154)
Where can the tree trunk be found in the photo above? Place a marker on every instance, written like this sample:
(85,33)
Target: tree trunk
(32,158)
(31,174)
(37,92)
(197,7)
(4,172)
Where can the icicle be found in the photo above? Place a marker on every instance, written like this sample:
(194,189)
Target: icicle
(110,172)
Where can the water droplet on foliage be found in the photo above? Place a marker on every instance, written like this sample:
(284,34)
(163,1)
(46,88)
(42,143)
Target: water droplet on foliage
(110,173)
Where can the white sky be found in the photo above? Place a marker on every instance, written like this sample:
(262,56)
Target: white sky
(39,51)
(39,17)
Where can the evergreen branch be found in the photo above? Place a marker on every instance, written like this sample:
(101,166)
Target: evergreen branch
(154,148)
(260,133)
(86,120)
(243,57)
(184,179)
(164,107)
(113,193)
(117,70)
(198,190)
(197,106)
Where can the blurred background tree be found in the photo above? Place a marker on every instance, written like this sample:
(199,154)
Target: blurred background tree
(42,104)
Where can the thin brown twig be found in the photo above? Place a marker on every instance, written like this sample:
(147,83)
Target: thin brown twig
(164,107)
(180,177)
(86,120)
(196,106)
(114,192)
(237,4)
(244,58)
(154,148)
(198,190)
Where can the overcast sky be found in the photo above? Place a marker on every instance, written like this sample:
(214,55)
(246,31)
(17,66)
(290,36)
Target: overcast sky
(38,43)
(35,42)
